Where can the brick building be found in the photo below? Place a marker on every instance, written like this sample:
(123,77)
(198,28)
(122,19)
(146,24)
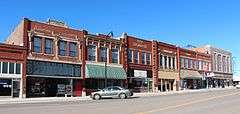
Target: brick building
(195,67)
(167,57)
(103,62)
(138,63)
(222,74)
(12,70)
(54,58)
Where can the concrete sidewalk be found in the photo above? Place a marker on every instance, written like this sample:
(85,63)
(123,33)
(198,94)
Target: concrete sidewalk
(179,92)
(87,98)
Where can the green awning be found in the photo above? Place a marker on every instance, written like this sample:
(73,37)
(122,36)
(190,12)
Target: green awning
(98,72)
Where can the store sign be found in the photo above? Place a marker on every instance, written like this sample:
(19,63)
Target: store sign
(140,44)
(61,89)
(140,73)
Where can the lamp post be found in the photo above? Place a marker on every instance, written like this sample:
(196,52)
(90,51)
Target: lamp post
(105,63)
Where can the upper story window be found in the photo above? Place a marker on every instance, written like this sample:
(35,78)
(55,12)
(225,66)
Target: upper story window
(182,62)
(197,64)
(194,64)
(48,46)
(103,54)
(148,58)
(136,57)
(91,53)
(190,64)
(37,41)
(174,61)
(143,58)
(186,63)
(201,65)
(130,56)
(62,48)
(73,49)
(165,61)
(161,61)
(115,55)
(169,62)
(219,62)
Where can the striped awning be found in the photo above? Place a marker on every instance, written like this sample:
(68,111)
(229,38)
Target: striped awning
(98,72)
(190,74)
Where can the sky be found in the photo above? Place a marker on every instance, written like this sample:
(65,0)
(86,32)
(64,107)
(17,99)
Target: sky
(179,22)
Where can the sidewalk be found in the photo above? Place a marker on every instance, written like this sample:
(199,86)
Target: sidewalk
(179,92)
(87,98)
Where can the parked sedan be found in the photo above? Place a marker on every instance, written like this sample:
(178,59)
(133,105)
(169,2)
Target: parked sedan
(112,92)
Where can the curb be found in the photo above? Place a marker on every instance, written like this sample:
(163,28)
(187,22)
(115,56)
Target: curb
(87,98)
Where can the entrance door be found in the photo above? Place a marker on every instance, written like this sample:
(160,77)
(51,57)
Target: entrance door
(16,88)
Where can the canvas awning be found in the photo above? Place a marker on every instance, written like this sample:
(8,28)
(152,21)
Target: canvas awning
(98,72)
(190,74)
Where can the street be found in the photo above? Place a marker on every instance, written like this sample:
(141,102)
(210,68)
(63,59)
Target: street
(211,102)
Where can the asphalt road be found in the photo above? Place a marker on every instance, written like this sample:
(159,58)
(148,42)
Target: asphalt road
(213,102)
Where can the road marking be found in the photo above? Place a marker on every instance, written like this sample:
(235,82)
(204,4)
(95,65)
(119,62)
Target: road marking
(185,104)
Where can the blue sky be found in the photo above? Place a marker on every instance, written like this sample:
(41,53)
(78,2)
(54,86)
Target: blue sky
(181,22)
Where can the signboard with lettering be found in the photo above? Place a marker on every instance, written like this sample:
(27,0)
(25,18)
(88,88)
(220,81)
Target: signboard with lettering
(140,73)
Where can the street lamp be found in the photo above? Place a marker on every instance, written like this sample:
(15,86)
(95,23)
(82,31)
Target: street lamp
(105,63)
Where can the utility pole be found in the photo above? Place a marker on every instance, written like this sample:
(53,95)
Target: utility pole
(105,63)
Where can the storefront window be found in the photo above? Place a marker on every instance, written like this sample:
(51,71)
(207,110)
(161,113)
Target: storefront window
(114,55)
(72,49)
(130,56)
(48,46)
(136,57)
(11,68)
(62,48)
(103,54)
(143,58)
(37,44)
(148,58)
(92,53)
(53,69)
(5,67)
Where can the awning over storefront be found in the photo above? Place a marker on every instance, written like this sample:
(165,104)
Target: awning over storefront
(190,74)
(98,72)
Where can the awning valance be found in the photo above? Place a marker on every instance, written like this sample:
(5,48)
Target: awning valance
(190,74)
(98,72)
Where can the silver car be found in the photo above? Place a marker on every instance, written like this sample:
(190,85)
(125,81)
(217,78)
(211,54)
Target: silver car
(112,92)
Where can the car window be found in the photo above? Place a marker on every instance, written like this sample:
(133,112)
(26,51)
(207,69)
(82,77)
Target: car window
(116,88)
(108,89)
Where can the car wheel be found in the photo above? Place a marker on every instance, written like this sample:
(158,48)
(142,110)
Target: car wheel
(96,97)
(123,96)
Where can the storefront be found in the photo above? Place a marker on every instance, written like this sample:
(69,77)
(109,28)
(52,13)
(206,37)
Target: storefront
(10,79)
(50,79)
(96,76)
(167,80)
(221,80)
(140,80)
(191,79)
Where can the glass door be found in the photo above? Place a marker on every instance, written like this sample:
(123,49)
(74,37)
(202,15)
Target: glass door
(15,88)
